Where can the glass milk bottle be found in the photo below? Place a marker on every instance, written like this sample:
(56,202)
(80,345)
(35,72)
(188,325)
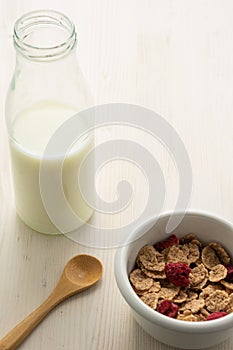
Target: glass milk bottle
(47,89)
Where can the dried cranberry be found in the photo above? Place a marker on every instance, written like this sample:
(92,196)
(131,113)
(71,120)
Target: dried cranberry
(178,273)
(229,277)
(215,315)
(172,240)
(167,308)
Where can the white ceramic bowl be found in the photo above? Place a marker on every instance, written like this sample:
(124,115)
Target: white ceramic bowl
(177,333)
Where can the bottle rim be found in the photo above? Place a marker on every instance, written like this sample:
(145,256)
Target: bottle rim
(30,23)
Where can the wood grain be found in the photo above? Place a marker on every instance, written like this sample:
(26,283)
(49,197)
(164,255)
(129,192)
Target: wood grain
(174,57)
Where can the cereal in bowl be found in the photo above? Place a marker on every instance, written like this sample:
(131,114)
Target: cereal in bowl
(185,279)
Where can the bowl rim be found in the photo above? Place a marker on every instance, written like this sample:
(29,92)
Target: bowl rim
(123,283)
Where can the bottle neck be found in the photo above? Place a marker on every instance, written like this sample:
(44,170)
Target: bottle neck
(46,65)
(66,61)
(44,36)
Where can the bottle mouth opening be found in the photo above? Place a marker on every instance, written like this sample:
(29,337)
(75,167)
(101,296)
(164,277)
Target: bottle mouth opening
(44,35)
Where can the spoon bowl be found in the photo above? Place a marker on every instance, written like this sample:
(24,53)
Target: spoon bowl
(88,272)
(80,273)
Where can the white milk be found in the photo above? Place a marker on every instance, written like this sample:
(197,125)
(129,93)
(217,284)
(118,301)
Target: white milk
(32,130)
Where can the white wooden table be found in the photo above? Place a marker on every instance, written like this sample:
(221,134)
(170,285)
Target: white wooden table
(174,57)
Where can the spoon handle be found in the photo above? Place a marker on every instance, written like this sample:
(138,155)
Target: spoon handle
(15,337)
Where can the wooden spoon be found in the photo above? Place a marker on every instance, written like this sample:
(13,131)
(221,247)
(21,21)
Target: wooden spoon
(80,273)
